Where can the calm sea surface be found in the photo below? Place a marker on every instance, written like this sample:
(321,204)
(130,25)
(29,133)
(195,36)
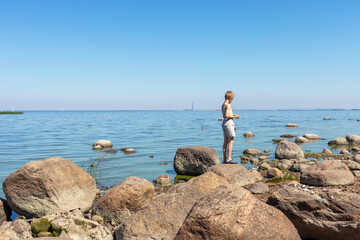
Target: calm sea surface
(37,135)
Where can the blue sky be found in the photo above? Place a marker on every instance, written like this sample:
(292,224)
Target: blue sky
(97,55)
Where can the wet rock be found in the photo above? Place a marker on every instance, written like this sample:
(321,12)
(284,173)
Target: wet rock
(234,173)
(328,215)
(248,135)
(221,119)
(327,151)
(279,140)
(207,182)
(40,186)
(254,161)
(311,136)
(231,212)
(263,157)
(287,135)
(266,151)
(258,188)
(128,150)
(328,173)
(288,150)
(284,164)
(357,158)
(97,147)
(301,140)
(274,172)
(123,200)
(338,141)
(291,125)
(353,139)
(194,161)
(162,217)
(103,144)
(252,152)
(162,180)
(300,161)
(326,118)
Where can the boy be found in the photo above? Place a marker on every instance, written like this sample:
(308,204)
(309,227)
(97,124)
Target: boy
(228,127)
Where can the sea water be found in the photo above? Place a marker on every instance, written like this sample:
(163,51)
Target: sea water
(155,135)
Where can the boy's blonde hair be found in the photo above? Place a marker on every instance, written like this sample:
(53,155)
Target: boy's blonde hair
(229,94)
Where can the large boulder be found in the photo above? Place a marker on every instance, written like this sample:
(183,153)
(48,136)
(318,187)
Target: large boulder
(40,186)
(231,212)
(329,215)
(124,200)
(311,136)
(234,173)
(353,139)
(288,150)
(207,182)
(328,173)
(5,211)
(194,161)
(338,141)
(162,217)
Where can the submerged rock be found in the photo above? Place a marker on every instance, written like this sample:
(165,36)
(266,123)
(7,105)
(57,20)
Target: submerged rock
(231,212)
(252,152)
(291,125)
(40,186)
(338,141)
(311,136)
(327,151)
(328,215)
(287,135)
(301,140)
(248,135)
(103,144)
(124,200)
(194,160)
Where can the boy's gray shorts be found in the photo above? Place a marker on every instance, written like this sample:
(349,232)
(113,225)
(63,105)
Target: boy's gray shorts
(228,128)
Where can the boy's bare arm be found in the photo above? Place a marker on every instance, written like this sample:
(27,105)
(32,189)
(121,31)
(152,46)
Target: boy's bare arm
(229,112)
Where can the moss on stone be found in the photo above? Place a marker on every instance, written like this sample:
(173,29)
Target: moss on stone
(287,177)
(40,225)
(182,178)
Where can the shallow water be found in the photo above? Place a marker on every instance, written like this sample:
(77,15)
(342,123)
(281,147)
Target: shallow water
(36,135)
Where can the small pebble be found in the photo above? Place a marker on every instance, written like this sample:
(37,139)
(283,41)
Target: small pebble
(312,192)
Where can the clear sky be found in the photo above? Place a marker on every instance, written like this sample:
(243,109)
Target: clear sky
(164,54)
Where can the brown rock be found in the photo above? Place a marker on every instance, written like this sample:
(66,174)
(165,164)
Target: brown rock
(207,182)
(258,177)
(252,151)
(162,217)
(287,135)
(301,140)
(311,136)
(40,186)
(353,139)
(194,161)
(124,200)
(258,188)
(162,180)
(338,141)
(231,212)
(332,215)
(248,135)
(327,178)
(5,211)
(98,219)
(352,165)
(274,172)
(291,125)
(327,151)
(234,173)
(344,151)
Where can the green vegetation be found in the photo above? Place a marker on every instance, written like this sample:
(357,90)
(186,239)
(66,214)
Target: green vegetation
(40,225)
(287,177)
(182,178)
(11,112)
(94,167)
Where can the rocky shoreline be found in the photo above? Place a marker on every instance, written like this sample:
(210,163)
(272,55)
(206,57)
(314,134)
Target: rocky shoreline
(294,196)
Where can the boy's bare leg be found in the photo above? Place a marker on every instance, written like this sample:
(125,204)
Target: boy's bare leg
(230,146)
(226,140)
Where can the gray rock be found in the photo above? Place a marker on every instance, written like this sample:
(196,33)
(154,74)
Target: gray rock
(258,188)
(338,141)
(248,135)
(231,212)
(301,140)
(357,158)
(353,139)
(254,161)
(18,229)
(287,135)
(300,168)
(103,144)
(288,150)
(352,165)
(194,161)
(328,215)
(355,150)
(264,166)
(327,178)
(311,136)
(162,180)
(344,151)
(258,177)
(252,152)
(123,200)
(263,157)
(162,217)
(234,173)
(40,186)
(5,211)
